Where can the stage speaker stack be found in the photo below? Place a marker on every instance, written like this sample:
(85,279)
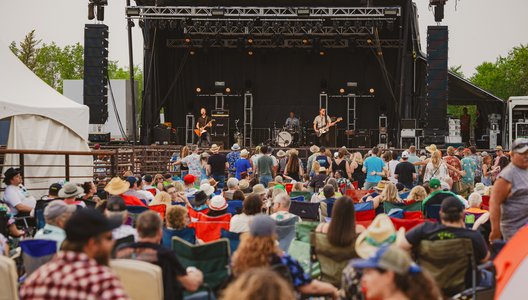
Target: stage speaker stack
(220,129)
(435,127)
(95,88)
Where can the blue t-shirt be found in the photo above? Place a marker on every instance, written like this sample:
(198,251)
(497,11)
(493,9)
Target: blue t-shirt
(470,166)
(241,165)
(323,161)
(373,164)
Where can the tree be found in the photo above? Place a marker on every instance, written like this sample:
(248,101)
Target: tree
(457,70)
(28,50)
(507,76)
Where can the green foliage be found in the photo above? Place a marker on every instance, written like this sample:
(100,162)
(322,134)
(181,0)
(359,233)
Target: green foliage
(28,50)
(455,111)
(507,76)
(457,70)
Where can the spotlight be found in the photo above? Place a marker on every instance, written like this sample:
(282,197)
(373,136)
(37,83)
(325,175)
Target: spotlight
(341,91)
(131,11)
(250,40)
(322,53)
(187,40)
(192,52)
(305,41)
(228,90)
(250,53)
(198,90)
(371,90)
(91,11)
(217,12)
(369,41)
(100,13)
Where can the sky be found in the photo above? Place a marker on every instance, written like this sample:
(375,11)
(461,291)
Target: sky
(479,30)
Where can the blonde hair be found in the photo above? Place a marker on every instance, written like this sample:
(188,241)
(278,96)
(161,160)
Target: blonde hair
(390,193)
(418,193)
(298,186)
(184,152)
(162,198)
(259,284)
(179,186)
(358,158)
(436,158)
(315,167)
(451,151)
(253,251)
(177,217)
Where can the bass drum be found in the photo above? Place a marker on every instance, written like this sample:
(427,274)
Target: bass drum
(283,139)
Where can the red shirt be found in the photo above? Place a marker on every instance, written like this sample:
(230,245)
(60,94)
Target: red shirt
(132,200)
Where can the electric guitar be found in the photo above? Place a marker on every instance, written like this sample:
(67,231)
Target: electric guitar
(326,128)
(199,131)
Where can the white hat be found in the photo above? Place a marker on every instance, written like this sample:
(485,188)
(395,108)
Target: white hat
(322,169)
(207,188)
(405,154)
(235,147)
(217,203)
(244,153)
(259,189)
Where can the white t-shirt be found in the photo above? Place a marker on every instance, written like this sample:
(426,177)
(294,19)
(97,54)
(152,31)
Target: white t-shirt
(146,195)
(14,196)
(124,231)
(392,169)
(240,223)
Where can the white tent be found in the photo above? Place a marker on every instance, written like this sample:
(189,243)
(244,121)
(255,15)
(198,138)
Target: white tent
(43,119)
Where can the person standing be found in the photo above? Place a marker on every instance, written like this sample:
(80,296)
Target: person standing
(469,167)
(265,167)
(508,202)
(217,165)
(315,151)
(374,167)
(465,125)
(320,122)
(341,163)
(232,157)
(192,161)
(405,173)
(454,167)
(242,165)
(203,123)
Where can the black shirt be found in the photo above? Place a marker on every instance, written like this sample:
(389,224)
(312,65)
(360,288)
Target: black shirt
(217,162)
(165,258)
(405,171)
(203,121)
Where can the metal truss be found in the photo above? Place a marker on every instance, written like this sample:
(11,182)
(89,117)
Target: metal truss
(180,12)
(279,42)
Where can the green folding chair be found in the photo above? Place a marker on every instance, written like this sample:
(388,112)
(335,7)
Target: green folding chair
(306,194)
(300,247)
(211,258)
(416,206)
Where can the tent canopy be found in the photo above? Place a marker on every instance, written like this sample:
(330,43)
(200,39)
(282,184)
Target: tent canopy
(23,93)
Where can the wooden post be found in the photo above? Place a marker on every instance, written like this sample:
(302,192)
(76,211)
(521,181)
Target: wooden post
(67,167)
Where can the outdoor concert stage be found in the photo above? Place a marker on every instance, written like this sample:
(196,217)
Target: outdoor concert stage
(271,57)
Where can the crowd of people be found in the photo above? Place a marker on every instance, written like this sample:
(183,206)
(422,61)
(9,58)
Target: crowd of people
(479,197)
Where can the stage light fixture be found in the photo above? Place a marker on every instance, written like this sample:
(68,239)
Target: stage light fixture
(187,40)
(198,90)
(91,11)
(132,11)
(369,41)
(371,90)
(192,52)
(322,53)
(391,11)
(341,91)
(250,53)
(351,84)
(100,13)
(303,11)
(219,84)
(217,12)
(250,40)
(228,90)
(305,41)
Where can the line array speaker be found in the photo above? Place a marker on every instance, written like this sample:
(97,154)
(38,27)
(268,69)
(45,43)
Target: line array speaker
(95,85)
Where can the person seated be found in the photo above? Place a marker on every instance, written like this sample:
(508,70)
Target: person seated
(238,195)
(148,248)
(328,201)
(452,226)
(217,206)
(189,188)
(116,208)
(243,185)
(281,207)
(14,197)
(333,182)
(252,206)
(176,193)
(474,215)
(318,180)
(232,187)
(345,215)
(437,194)
(119,187)
(200,202)
(388,194)
(162,198)
(391,274)
(133,190)
(56,214)
(177,219)
(261,242)
(259,283)
(341,180)
(139,188)
(417,194)
(69,193)
(299,187)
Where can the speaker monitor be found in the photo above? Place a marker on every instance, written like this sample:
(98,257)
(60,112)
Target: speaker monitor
(437,82)
(95,72)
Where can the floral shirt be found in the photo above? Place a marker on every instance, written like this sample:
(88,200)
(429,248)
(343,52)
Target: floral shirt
(232,157)
(193,163)
(470,166)
(454,162)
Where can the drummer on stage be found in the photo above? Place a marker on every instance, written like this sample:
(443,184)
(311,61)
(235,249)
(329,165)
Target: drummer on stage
(292,123)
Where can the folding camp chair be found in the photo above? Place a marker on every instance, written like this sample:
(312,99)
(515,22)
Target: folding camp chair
(208,228)
(416,206)
(306,194)
(161,209)
(39,212)
(298,198)
(210,258)
(8,279)
(366,215)
(35,253)
(140,279)
(305,210)
(286,232)
(432,211)
(188,234)
(300,247)
(129,239)
(234,207)
(233,237)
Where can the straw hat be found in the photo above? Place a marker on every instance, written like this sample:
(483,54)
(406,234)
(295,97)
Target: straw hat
(215,148)
(480,188)
(381,232)
(243,184)
(218,203)
(322,169)
(213,182)
(117,186)
(431,148)
(235,147)
(259,189)
(381,185)
(281,154)
(244,153)
(314,149)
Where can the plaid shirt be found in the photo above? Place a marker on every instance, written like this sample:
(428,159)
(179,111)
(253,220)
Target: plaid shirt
(71,275)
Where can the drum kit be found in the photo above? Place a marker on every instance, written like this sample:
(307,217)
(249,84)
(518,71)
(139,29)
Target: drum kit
(286,136)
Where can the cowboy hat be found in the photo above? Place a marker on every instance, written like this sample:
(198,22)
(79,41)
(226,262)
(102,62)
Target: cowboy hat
(71,190)
(235,147)
(213,182)
(116,186)
(215,148)
(259,189)
(244,153)
(381,232)
(314,149)
(243,184)
(431,148)
(281,154)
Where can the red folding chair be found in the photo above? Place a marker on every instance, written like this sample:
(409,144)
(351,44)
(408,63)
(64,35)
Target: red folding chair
(485,202)
(356,195)
(289,187)
(408,224)
(355,184)
(366,215)
(209,228)
(161,209)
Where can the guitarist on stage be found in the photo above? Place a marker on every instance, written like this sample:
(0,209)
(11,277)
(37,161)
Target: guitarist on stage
(203,123)
(321,125)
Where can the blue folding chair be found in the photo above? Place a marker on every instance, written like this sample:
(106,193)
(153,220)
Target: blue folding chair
(35,253)
(234,207)
(298,198)
(188,234)
(133,213)
(233,237)
(432,211)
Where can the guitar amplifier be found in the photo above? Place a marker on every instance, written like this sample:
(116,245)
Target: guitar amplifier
(221,124)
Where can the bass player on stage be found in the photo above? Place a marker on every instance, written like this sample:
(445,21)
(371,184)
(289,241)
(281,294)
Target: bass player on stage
(321,126)
(203,123)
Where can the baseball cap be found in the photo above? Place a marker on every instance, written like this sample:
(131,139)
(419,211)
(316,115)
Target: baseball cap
(189,178)
(390,258)
(434,183)
(262,225)
(147,178)
(520,145)
(115,203)
(57,208)
(405,154)
(87,223)
(131,180)
(54,189)
(451,204)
